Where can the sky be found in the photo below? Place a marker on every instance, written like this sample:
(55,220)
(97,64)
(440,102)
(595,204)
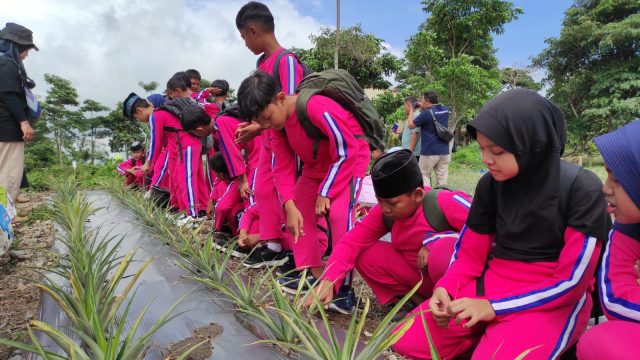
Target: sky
(106,47)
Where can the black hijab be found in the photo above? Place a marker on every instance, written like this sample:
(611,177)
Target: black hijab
(10,51)
(524,211)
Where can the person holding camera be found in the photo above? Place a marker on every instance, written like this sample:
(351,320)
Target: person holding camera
(15,109)
(435,152)
(411,137)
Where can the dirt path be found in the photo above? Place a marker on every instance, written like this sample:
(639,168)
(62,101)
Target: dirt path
(19,298)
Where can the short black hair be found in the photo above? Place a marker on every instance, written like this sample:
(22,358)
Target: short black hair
(223,85)
(256,93)
(179,81)
(257,13)
(140,104)
(193,116)
(193,74)
(432,96)
(216,162)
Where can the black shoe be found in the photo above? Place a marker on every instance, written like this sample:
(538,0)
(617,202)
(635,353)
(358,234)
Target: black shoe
(262,256)
(345,301)
(291,284)
(288,267)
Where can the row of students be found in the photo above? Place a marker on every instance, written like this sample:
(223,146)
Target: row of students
(319,200)
(527,251)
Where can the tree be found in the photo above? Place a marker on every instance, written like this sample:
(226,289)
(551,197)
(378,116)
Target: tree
(124,131)
(453,53)
(593,68)
(94,125)
(57,118)
(150,86)
(512,78)
(362,55)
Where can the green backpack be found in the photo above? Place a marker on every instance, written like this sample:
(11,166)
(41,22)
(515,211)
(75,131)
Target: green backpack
(340,86)
(432,212)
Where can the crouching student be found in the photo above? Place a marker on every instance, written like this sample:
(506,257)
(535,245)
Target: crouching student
(224,217)
(241,160)
(618,281)
(331,176)
(522,271)
(416,251)
(131,168)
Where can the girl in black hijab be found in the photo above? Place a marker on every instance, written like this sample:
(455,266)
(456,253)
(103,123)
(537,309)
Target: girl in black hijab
(522,272)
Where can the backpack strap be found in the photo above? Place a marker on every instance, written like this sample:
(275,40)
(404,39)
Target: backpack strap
(303,118)
(175,130)
(432,211)
(276,67)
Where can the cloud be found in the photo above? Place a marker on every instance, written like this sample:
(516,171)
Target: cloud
(106,47)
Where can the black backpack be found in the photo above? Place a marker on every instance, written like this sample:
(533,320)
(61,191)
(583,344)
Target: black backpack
(175,107)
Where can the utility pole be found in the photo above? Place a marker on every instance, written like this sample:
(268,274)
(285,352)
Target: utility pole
(337,51)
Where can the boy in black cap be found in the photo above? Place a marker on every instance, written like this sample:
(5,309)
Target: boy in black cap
(418,250)
(131,168)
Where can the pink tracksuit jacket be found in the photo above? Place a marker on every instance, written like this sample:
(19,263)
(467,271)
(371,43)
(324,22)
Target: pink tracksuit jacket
(187,183)
(335,173)
(618,338)
(129,178)
(539,303)
(391,268)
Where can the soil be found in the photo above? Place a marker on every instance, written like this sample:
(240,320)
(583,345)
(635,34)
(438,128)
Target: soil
(19,298)
(202,352)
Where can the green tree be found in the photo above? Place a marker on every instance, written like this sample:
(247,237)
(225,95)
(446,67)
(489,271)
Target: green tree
(512,78)
(362,55)
(149,86)
(123,131)
(57,119)
(94,125)
(453,53)
(593,68)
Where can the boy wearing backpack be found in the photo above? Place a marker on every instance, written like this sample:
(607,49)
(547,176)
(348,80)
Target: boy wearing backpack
(332,173)
(424,225)
(256,26)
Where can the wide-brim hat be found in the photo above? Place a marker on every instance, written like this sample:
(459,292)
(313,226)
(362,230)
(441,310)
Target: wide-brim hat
(18,34)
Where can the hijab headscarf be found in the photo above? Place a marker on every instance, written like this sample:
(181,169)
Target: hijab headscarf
(524,211)
(620,150)
(11,51)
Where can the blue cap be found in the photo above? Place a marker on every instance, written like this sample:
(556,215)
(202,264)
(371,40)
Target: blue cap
(156,100)
(620,150)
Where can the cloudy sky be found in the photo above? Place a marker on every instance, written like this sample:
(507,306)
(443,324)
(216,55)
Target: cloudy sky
(106,47)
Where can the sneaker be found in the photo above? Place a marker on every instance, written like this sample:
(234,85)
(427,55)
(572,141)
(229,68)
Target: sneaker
(345,301)
(189,221)
(288,267)
(262,256)
(290,283)
(221,241)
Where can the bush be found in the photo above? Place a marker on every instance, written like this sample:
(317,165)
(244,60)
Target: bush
(87,175)
(467,157)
